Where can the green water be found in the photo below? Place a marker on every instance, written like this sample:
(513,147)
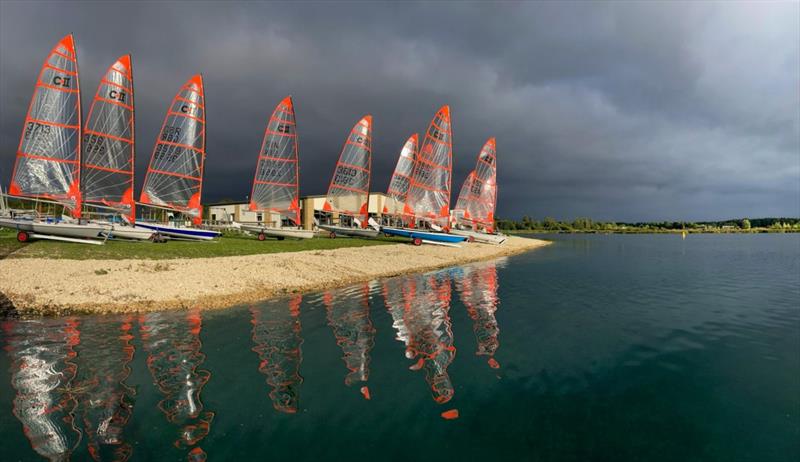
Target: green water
(595,348)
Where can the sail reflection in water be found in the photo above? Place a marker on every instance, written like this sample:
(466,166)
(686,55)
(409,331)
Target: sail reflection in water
(477,288)
(419,306)
(42,372)
(105,401)
(348,315)
(172,343)
(276,335)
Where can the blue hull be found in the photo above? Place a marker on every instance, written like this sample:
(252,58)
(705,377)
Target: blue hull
(424,235)
(185,233)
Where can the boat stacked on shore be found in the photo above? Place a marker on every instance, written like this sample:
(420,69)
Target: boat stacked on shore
(87,170)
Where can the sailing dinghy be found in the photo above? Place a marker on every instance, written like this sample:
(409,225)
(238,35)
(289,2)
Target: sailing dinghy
(109,150)
(427,203)
(474,212)
(47,166)
(174,179)
(277,178)
(348,193)
(401,179)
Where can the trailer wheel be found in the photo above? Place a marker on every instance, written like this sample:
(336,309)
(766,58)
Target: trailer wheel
(280,238)
(261,236)
(417,241)
(471,239)
(332,235)
(23,236)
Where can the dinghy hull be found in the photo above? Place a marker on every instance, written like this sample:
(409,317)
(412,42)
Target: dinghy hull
(346,231)
(423,236)
(180,233)
(484,238)
(294,233)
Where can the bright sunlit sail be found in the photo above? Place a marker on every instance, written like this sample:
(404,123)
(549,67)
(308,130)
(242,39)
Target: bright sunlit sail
(348,192)
(401,178)
(108,141)
(476,201)
(174,178)
(276,182)
(429,192)
(49,152)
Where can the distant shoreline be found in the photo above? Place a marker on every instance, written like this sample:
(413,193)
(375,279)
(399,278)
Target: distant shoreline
(42,286)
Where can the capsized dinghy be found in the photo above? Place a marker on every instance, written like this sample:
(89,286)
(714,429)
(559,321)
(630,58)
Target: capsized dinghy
(174,179)
(49,153)
(348,193)
(277,177)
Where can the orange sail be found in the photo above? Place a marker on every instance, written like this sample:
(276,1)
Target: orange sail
(478,196)
(108,141)
(348,192)
(276,182)
(174,178)
(49,152)
(429,192)
(401,178)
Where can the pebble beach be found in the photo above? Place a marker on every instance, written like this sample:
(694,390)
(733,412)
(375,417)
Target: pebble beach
(41,286)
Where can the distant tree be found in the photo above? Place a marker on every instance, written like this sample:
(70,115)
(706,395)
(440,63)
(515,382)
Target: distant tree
(550,223)
(745,224)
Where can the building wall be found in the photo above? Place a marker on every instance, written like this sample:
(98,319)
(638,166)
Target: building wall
(309,204)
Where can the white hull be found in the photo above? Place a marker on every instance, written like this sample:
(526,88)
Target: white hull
(485,238)
(345,231)
(11,223)
(89,230)
(130,232)
(279,232)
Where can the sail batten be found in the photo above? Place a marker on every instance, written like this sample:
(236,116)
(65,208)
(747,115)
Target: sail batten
(174,178)
(48,157)
(478,196)
(429,190)
(348,192)
(276,184)
(108,141)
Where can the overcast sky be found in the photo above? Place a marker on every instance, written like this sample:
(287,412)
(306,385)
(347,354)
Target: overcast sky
(616,111)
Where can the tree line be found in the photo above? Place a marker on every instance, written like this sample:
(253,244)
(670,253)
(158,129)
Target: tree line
(549,224)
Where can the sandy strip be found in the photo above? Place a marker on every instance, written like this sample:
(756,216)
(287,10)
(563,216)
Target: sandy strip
(47,286)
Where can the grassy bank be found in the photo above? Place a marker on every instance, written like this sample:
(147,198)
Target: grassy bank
(224,247)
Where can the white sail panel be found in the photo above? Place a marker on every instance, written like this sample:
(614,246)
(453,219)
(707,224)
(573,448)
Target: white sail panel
(108,141)
(478,196)
(429,193)
(48,156)
(175,176)
(401,178)
(276,181)
(348,192)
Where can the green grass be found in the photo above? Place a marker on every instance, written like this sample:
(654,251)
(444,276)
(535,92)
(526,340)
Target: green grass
(224,247)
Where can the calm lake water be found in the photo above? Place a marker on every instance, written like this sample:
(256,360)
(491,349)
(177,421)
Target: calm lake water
(596,348)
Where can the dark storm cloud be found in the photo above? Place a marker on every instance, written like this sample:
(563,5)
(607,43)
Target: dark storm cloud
(625,111)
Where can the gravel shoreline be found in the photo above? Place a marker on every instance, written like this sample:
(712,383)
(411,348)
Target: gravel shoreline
(40,286)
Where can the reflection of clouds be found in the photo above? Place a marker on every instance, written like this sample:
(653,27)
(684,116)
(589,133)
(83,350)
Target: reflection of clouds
(419,307)
(348,315)
(42,371)
(276,336)
(172,342)
(104,399)
(477,287)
